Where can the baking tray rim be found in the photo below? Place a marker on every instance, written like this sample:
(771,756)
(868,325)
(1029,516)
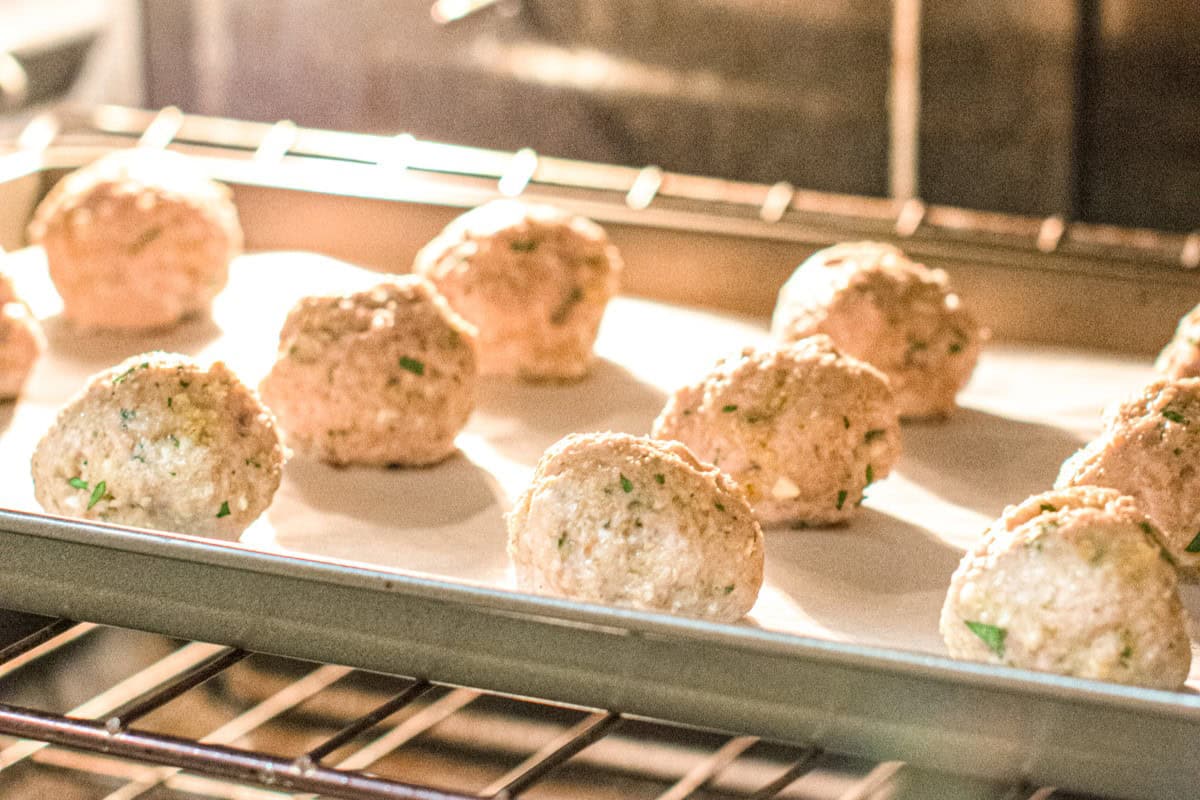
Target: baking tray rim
(543,609)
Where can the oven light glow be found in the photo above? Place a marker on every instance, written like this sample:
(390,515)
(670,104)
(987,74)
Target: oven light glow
(446,11)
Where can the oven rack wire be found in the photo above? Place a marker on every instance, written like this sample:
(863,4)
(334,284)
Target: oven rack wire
(104,729)
(779,210)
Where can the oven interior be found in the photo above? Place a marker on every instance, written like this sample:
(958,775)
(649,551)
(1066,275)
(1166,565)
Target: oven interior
(241,724)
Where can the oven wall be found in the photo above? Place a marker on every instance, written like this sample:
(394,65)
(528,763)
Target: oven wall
(1086,108)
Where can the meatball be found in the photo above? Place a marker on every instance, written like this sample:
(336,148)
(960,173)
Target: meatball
(1181,357)
(613,518)
(533,279)
(1075,582)
(802,428)
(21,341)
(1149,449)
(137,240)
(384,376)
(159,441)
(898,315)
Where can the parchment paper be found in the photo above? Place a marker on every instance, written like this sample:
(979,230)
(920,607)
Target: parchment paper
(879,580)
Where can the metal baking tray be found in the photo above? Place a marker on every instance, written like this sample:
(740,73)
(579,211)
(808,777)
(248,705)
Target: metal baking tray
(731,244)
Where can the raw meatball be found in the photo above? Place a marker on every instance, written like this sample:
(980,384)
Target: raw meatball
(1150,450)
(533,279)
(1074,582)
(159,441)
(900,316)
(803,429)
(384,376)
(1181,357)
(20,341)
(612,518)
(137,240)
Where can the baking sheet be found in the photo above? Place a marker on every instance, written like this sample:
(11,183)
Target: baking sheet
(878,581)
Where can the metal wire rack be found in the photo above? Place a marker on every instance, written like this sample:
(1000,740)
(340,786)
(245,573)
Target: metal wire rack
(351,734)
(779,210)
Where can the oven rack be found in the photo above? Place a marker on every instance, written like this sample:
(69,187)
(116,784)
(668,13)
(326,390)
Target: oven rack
(776,211)
(101,735)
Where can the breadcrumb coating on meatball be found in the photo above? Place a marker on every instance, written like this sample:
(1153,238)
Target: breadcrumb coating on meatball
(1180,358)
(385,376)
(159,441)
(1149,449)
(1076,582)
(802,428)
(21,341)
(879,306)
(635,522)
(137,240)
(533,279)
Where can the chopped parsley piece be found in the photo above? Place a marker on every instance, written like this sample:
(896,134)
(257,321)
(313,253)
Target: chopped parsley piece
(870,475)
(659,478)
(914,346)
(224,512)
(729,409)
(412,365)
(955,348)
(1175,416)
(560,314)
(562,540)
(97,494)
(1147,528)
(1194,545)
(170,402)
(873,434)
(626,485)
(846,423)
(174,439)
(121,378)
(523,245)
(145,238)
(990,635)
(184,384)
(1047,507)
(729,589)
(841,499)
(78,483)
(1126,653)
(127,414)
(717,505)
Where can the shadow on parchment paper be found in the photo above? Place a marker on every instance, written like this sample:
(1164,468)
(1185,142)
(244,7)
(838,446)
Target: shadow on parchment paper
(878,579)
(453,491)
(984,461)
(445,520)
(91,352)
(521,419)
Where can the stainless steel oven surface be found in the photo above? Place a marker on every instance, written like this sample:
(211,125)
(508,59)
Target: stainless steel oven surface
(174,666)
